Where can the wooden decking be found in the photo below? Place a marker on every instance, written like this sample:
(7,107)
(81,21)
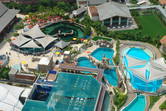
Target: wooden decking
(52,77)
(72,66)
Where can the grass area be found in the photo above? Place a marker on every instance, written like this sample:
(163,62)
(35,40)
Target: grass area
(4,72)
(100,38)
(163,105)
(151,26)
(153,100)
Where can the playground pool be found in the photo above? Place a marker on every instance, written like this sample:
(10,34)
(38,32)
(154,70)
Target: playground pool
(85,62)
(111,76)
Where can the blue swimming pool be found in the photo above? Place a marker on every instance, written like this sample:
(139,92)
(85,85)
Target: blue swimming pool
(138,104)
(137,82)
(111,76)
(85,62)
(99,52)
(139,53)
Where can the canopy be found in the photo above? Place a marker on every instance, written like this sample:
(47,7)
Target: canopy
(30,44)
(46,40)
(20,40)
(134,62)
(9,98)
(152,70)
(35,32)
(61,44)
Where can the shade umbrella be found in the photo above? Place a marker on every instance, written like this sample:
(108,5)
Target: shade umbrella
(11,43)
(24,62)
(74,38)
(57,53)
(82,39)
(88,52)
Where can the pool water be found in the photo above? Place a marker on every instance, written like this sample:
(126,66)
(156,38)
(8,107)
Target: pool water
(138,53)
(99,52)
(138,104)
(65,27)
(111,76)
(85,62)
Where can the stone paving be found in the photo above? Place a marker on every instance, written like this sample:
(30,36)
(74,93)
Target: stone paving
(158,103)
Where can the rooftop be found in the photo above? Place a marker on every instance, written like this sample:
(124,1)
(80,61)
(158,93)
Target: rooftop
(162,2)
(44,60)
(93,11)
(111,9)
(6,15)
(163,41)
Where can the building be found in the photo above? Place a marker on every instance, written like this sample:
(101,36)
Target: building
(163,3)
(110,14)
(81,3)
(32,1)
(7,18)
(3,60)
(163,44)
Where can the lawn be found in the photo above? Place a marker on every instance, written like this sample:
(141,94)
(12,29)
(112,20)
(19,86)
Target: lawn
(163,105)
(100,38)
(151,26)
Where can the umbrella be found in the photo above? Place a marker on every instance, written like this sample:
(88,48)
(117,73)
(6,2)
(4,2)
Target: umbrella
(74,38)
(24,62)
(85,41)
(57,53)
(31,26)
(27,16)
(88,52)
(33,17)
(14,39)
(82,39)
(11,42)
(70,20)
(38,23)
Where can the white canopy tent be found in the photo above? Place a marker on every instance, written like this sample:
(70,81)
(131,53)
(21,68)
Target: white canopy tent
(20,40)
(46,40)
(35,32)
(61,44)
(30,44)
(9,98)
(153,70)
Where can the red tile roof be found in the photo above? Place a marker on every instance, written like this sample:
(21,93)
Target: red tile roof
(163,41)
(162,2)
(93,11)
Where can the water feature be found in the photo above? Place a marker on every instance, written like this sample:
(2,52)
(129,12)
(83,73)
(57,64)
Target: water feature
(64,27)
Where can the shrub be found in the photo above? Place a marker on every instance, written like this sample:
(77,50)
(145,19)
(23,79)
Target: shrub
(9,40)
(15,34)
(116,59)
(163,105)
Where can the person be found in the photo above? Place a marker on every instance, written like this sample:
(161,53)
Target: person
(6,53)
(9,53)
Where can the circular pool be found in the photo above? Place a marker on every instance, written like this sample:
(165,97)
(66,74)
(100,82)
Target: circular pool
(66,30)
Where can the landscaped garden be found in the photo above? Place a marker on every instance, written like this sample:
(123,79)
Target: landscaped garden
(163,105)
(151,26)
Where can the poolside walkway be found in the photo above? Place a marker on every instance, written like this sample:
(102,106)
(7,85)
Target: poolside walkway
(158,103)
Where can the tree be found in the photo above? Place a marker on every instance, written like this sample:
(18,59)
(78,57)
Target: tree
(88,30)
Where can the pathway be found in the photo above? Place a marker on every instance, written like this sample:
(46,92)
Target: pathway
(158,103)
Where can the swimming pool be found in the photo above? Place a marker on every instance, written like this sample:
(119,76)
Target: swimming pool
(138,104)
(111,76)
(137,82)
(85,62)
(99,52)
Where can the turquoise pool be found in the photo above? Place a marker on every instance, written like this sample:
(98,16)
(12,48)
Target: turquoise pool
(137,82)
(111,76)
(138,104)
(99,52)
(85,62)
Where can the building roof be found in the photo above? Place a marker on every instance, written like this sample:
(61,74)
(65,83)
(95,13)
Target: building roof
(9,98)
(93,11)
(13,71)
(162,2)
(111,9)
(62,44)
(6,16)
(79,11)
(35,32)
(3,9)
(163,41)
(44,60)
(94,2)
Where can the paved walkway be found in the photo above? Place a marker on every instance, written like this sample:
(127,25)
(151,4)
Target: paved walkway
(158,103)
